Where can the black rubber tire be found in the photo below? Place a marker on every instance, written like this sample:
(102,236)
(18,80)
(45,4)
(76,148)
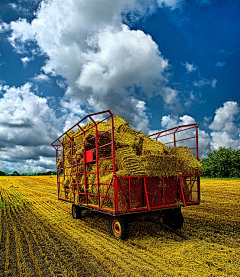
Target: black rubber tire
(119,227)
(76,211)
(173,218)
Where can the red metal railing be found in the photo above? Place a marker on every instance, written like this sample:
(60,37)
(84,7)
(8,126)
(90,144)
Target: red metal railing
(135,194)
(64,191)
(191,129)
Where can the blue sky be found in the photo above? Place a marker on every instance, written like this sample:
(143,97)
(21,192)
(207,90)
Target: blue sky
(157,63)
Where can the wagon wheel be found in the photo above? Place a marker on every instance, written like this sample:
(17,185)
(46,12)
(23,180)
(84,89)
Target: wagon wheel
(119,227)
(173,218)
(76,211)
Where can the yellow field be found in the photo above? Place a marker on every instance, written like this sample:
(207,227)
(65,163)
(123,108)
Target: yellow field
(39,237)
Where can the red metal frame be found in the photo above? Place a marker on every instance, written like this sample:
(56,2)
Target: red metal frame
(159,136)
(130,194)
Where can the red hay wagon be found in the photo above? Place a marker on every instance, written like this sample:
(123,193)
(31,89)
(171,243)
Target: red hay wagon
(124,198)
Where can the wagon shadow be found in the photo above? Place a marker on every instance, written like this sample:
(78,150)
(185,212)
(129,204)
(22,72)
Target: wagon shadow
(137,230)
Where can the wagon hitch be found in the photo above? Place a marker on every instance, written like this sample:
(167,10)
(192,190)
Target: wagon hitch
(180,234)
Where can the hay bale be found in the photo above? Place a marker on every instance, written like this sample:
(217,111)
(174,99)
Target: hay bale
(105,164)
(153,147)
(179,161)
(161,165)
(119,123)
(189,164)
(128,160)
(124,139)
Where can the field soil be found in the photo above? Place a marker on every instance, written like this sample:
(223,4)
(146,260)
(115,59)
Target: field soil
(39,237)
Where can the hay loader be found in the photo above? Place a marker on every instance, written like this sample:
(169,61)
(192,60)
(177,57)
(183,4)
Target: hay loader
(91,173)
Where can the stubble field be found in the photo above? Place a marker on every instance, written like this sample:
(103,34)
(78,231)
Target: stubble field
(38,236)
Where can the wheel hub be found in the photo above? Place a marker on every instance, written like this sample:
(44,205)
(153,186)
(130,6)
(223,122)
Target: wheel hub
(116,227)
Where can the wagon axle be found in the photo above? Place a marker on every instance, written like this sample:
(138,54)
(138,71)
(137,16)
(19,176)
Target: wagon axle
(170,219)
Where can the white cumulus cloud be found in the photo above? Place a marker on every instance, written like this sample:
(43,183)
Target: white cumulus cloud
(225,117)
(220,64)
(225,128)
(27,125)
(223,139)
(173,4)
(205,82)
(190,67)
(26,60)
(41,78)
(4,27)
(101,59)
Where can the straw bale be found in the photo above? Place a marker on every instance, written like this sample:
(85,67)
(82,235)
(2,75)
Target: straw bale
(59,163)
(105,164)
(104,126)
(81,179)
(122,172)
(119,123)
(66,141)
(152,147)
(186,189)
(128,160)
(122,126)
(104,177)
(179,161)
(66,137)
(161,165)
(78,137)
(105,151)
(89,141)
(123,139)
(104,138)
(189,164)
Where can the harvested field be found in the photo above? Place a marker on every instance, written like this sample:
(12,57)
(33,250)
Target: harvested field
(38,236)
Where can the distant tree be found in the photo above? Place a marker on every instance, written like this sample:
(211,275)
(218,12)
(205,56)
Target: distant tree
(2,173)
(222,163)
(15,173)
(46,173)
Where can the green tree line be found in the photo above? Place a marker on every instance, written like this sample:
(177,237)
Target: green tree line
(16,173)
(222,163)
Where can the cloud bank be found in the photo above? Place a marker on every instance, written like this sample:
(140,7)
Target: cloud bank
(102,60)
(104,64)
(27,127)
(224,129)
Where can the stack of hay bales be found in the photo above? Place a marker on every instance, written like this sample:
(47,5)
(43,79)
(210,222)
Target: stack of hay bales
(135,155)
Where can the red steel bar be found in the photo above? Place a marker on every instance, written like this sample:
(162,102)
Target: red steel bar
(113,146)
(85,169)
(146,193)
(129,193)
(164,197)
(106,192)
(97,165)
(197,154)
(116,195)
(179,127)
(182,194)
